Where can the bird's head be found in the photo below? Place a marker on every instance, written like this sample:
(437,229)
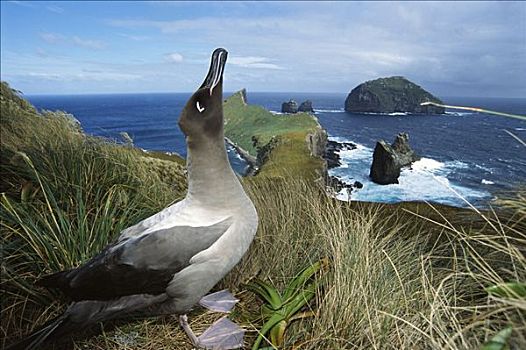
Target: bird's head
(202,115)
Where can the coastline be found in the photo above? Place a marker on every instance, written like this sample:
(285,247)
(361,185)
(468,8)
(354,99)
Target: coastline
(253,166)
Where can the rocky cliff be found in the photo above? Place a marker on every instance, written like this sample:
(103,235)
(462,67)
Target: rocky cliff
(389,95)
(306,106)
(289,107)
(317,142)
(282,145)
(388,160)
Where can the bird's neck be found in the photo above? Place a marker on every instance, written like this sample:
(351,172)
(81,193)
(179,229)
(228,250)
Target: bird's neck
(211,180)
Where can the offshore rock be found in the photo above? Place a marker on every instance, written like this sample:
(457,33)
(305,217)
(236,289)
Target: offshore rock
(289,107)
(406,156)
(389,159)
(306,106)
(390,95)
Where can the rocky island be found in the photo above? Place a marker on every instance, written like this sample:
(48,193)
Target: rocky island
(291,107)
(391,95)
(388,160)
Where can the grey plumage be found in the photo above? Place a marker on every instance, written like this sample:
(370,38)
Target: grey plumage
(166,263)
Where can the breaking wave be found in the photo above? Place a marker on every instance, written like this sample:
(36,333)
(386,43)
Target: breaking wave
(426,180)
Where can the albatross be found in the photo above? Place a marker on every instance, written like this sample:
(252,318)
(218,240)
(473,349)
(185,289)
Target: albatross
(168,262)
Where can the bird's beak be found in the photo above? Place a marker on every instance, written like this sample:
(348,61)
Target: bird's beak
(215,73)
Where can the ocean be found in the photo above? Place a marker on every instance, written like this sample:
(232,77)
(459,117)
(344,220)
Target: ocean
(467,157)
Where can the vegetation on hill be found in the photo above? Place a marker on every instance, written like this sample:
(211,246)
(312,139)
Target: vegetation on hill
(64,196)
(388,95)
(280,139)
(406,276)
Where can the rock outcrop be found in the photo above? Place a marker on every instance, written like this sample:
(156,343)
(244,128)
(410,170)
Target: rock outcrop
(243,93)
(306,106)
(389,159)
(336,184)
(406,155)
(317,142)
(289,107)
(332,152)
(292,107)
(390,95)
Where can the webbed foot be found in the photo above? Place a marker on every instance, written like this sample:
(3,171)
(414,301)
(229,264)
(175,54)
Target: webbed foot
(222,301)
(221,335)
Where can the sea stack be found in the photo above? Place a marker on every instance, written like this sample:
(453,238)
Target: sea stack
(306,106)
(391,95)
(389,159)
(289,107)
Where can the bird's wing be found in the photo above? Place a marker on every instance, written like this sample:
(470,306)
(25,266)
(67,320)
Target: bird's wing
(143,264)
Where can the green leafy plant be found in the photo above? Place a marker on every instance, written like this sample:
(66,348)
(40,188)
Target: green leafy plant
(512,290)
(499,340)
(515,290)
(279,309)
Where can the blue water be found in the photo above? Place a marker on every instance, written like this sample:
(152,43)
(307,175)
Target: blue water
(466,156)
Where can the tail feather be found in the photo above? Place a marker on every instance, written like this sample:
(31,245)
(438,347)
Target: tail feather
(49,332)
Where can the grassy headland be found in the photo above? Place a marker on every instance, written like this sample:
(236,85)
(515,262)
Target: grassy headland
(407,276)
(281,140)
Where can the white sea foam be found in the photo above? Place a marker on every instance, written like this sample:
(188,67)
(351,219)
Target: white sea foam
(489,170)
(391,114)
(460,114)
(426,180)
(329,110)
(231,149)
(520,129)
(427,164)
(487,182)
(457,164)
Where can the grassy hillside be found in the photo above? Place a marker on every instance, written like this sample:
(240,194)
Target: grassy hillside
(407,276)
(64,195)
(392,94)
(286,134)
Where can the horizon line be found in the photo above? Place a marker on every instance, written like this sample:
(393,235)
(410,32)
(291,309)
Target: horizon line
(233,92)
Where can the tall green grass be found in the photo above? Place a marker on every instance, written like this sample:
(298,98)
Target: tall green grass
(64,197)
(401,276)
(407,276)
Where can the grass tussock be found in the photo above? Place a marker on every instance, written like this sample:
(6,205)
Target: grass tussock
(64,196)
(407,276)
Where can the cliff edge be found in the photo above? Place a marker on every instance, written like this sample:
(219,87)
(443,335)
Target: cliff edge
(281,144)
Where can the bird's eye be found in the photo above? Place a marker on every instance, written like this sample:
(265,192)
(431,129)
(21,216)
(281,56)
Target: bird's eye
(199,108)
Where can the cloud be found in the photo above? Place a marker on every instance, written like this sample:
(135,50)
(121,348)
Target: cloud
(21,3)
(253,62)
(41,52)
(91,44)
(135,37)
(54,38)
(51,38)
(82,76)
(54,8)
(174,57)
(322,47)
(333,48)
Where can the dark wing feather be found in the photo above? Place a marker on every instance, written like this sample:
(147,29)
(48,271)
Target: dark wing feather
(137,265)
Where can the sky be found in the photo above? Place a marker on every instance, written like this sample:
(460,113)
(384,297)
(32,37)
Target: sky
(449,48)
